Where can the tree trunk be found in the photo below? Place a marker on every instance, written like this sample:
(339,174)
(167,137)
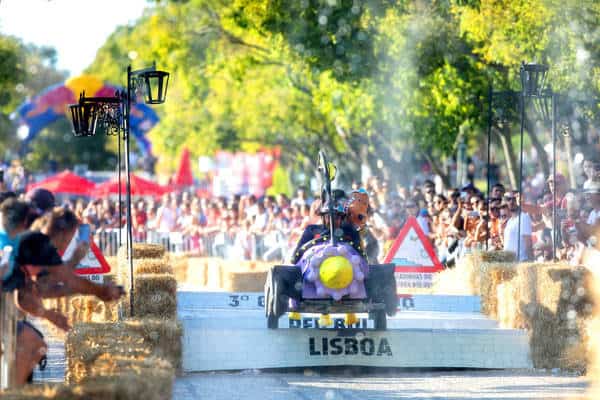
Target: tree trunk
(438,169)
(509,154)
(539,147)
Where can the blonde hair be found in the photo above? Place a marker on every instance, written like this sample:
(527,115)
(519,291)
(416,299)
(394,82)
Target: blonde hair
(55,221)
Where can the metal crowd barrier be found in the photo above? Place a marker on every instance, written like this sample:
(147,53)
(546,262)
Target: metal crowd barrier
(8,340)
(269,247)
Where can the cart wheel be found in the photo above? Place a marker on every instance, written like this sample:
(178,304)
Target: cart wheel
(379,320)
(391,299)
(272,321)
(280,300)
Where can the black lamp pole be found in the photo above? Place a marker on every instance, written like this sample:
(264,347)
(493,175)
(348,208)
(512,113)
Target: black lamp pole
(554,228)
(520,198)
(114,114)
(533,79)
(128,189)
(489,147)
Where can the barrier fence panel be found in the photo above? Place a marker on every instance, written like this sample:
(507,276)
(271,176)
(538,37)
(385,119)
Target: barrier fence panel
(269,247)
(108,241)
(8,340)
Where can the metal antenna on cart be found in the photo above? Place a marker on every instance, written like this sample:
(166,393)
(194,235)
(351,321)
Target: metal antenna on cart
(326,171)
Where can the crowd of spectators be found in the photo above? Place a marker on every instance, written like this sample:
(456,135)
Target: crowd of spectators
(34,235)
(456,220)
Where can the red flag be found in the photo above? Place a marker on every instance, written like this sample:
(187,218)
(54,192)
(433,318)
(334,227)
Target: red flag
(183,176)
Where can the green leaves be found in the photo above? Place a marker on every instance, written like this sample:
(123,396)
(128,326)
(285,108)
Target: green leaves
(366,80)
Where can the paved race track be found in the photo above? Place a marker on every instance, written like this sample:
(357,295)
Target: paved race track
(376,384)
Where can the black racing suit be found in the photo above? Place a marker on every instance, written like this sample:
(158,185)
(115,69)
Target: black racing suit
(316,234)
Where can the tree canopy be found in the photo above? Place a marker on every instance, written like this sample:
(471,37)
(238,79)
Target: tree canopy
(369,81)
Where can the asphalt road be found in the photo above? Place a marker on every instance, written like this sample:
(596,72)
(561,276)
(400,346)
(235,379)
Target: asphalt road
(377,384)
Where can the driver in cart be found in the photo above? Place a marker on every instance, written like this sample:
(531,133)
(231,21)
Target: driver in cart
(329,271)
(341,274)
(345,225)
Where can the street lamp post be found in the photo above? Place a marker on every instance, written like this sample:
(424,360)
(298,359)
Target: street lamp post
(113,114)
(502,101)
(533,80)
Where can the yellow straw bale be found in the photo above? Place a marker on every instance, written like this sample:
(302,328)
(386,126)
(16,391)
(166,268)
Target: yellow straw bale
(155,296)
(591,260)
(153,266)
(180,266)
(552,302)
(128,378)
(244,281)
(91,309)
(458,280)
(152,385)
(134,338)
(37,391)
(142,250)
(197,272)
(508,311)
(88,341)
(490,276)
(215,272)
(497,256)
(163,336)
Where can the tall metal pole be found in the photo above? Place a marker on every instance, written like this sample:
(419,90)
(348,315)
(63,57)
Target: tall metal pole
(128,190)
(520,177)
(120,200)
(489,146)
(554,228)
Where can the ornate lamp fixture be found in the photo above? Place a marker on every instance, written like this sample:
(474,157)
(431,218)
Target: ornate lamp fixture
(533,79)
(112,115)
(155,84)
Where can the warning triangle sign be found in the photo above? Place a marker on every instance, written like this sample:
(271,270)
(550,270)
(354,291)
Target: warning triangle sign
(94,261)
(412,251)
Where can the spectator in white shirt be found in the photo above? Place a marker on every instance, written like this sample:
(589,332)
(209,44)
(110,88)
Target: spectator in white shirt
(512,242)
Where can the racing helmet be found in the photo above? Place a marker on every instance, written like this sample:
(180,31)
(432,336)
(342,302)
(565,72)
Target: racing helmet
(339,198)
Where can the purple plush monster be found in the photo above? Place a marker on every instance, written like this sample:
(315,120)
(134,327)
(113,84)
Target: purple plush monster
(333,272)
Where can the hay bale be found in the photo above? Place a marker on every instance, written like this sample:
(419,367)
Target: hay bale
(490,276)
(214,268)
(507,310)
(112,261)
(155,296)
(142,250)
(163,336)
(552,302)
(458,280)
(180,266)
(127,378)
(91,309)
(153,266)
(134,338)
(152,385)
(88,341)
(497,256)
(244,281)
(37,391)
(197,271)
